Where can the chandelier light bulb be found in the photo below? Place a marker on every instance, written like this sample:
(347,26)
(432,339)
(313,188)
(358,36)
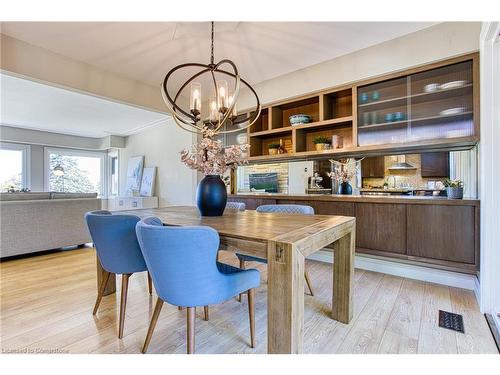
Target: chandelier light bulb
(195,99)
(222,99)
(214,111)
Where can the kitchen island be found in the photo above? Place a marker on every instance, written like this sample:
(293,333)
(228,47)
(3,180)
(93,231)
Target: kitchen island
(430,231)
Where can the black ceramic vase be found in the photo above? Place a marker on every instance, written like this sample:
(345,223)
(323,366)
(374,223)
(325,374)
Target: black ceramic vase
(345,188)
(211,196)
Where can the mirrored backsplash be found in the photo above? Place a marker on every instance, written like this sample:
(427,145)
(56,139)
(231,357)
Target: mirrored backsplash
(425,171)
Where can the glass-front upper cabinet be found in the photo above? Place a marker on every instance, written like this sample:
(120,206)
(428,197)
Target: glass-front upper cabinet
(432,104)
(383,112)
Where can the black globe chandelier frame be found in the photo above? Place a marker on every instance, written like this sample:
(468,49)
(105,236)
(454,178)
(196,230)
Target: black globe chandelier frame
(192,120)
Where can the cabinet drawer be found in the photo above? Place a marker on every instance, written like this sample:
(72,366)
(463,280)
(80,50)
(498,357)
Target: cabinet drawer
(442,232)
(334,208)
(381,227)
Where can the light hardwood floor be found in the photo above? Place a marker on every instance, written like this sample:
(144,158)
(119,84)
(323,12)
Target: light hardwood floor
(47,301)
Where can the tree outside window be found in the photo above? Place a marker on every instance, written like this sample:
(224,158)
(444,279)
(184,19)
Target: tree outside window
(11,172)
(81,174)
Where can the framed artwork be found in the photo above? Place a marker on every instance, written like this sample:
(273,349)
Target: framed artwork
(148,182)
(134,174)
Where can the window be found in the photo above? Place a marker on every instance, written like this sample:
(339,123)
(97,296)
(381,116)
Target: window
(74,171)
(113,173)
(14,173)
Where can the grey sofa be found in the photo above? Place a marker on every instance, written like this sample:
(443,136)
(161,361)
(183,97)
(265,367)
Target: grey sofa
(32,222)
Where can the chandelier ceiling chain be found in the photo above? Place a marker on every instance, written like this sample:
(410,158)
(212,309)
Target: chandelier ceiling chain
(212,46)
(222,114)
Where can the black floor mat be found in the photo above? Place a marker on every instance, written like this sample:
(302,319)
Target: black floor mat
(451,321)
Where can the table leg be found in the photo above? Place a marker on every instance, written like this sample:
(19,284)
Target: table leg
(111,285)
(285,298)
(343,272)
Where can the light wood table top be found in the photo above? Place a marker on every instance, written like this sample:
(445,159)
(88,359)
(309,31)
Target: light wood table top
(252,225)
(284,240)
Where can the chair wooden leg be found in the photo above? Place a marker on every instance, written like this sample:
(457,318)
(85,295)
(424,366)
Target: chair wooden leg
(242,266)
(152,325)
(123,303)
(308,282)
(150,284)
(179,308)
(102,288)
(205,312)
(251,315)
(191,312)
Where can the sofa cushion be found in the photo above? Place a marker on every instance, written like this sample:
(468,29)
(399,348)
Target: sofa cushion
(31,196)
(55,195)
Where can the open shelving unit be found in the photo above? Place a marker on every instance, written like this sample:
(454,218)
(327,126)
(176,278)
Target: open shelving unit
(361,114)
(330,112)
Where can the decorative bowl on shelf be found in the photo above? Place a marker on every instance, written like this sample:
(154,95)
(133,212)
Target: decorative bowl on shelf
(452,85)
(452,111)
(299,119)
(399,116)
(431,87)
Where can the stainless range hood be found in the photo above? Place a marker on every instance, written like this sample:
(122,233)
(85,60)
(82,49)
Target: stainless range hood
(402,165)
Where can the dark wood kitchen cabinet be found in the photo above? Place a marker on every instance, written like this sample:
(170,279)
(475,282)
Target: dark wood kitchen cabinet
(381,227)
(438,233)
(334,208)
(448,233)
(435,164)
(373,167)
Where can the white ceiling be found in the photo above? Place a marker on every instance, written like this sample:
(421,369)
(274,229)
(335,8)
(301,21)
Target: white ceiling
(37,106)
(145,51)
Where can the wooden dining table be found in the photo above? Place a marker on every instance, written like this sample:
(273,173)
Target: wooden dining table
(285,241)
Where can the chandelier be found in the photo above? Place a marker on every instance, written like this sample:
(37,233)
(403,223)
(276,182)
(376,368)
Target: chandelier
(222,113)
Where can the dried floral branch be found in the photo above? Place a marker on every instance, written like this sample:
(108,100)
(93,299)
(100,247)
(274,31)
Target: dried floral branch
(211,158)
(342,171)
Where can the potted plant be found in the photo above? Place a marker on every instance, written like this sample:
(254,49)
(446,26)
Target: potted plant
(212,159)
(321,143)
(454,188)
(273,148)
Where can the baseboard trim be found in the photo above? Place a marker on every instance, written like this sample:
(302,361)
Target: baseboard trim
(433,275)
(477,290)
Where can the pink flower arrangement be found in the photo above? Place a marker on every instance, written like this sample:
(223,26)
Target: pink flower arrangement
(211,158)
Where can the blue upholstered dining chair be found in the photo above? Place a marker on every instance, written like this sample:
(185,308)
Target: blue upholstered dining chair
(282,209)
(182,262)
(238,206)
(118,252)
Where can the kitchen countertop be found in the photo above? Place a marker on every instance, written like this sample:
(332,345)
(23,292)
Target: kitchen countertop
(409,199)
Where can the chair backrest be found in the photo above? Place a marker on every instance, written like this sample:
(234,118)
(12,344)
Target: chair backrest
(286,209)
(240,206)
(115,241)
(181,260)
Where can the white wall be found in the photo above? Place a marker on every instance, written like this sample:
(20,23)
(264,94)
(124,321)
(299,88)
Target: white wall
(434,43)
(160,145)
(490,179)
